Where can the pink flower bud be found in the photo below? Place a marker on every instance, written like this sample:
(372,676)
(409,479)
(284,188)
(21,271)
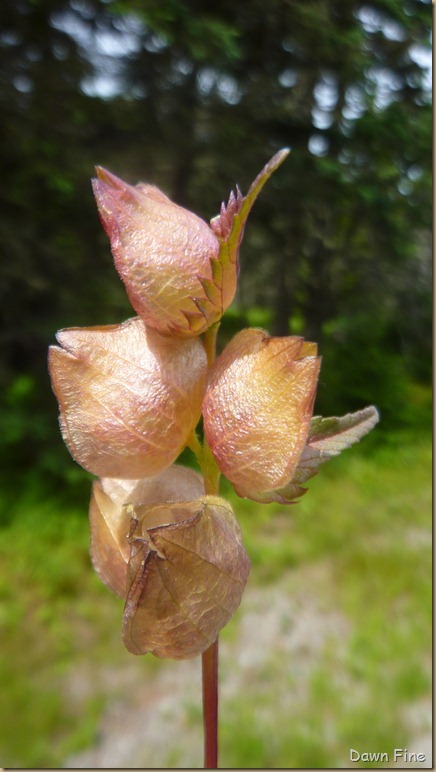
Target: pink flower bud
(180,273)
(110,515)
(257,409)
(162,253)
(129,398)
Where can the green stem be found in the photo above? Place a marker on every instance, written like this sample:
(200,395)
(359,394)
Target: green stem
(210,337)
(211,472)
(209,469)
(195,445)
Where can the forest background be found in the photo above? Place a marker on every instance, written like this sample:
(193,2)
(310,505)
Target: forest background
(195,97)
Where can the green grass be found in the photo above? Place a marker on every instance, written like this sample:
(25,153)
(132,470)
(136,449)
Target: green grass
(358,545)
(367,523)
(55,618)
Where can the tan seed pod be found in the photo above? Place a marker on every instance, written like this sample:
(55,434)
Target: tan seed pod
(129,397)
(109,516)
(187,571)
(257,408)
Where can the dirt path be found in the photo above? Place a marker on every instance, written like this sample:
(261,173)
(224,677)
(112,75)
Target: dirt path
(159,724)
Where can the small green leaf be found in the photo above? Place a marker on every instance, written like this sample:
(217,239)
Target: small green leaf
(228,227)
(328,437)
(229,224)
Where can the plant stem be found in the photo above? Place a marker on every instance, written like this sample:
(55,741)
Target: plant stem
(210,337)
(210,705)
(209,658)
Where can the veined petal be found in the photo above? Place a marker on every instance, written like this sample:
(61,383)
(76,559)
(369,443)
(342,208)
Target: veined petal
(129,398)
(257,408)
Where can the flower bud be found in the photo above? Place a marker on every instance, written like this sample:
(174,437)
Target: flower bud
(187,572)
(257,409)
(110,515)
(162,252)
(180,273)
(129,398)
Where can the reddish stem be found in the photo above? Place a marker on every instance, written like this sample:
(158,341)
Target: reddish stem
(210,705)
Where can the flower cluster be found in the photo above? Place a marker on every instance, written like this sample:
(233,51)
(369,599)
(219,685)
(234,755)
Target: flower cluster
(131,396)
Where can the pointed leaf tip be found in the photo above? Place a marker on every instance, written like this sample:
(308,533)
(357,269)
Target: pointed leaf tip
(328,437)
(335,434)
(263,176)
(278,158)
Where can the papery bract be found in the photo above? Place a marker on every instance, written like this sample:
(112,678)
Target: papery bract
(257,408)
(180,273)
(110,515)
(187,572)
(129,398)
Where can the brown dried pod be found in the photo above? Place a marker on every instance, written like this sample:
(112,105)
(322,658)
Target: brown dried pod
(109,517)
(187,571)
